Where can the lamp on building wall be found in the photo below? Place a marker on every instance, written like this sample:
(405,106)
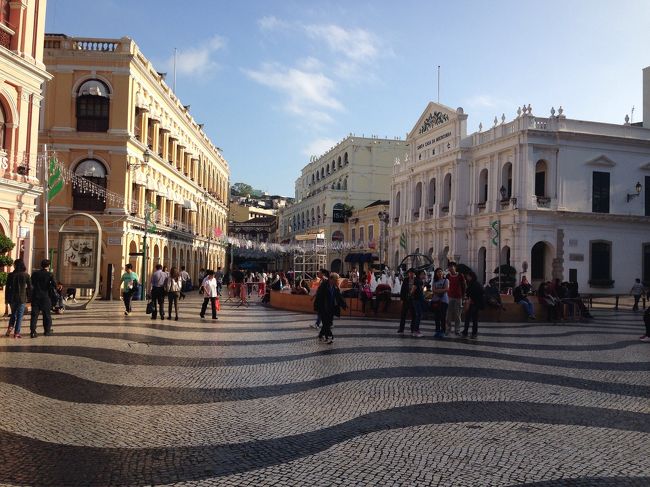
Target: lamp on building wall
(145,160)
(631,196)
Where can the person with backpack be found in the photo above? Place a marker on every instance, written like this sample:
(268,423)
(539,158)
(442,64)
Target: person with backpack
(186,282)
(474,303)
(457,289)
(18,291)
(173,287)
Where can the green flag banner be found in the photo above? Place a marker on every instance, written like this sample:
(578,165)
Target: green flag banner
(495,226)
(55,181)
(402,241)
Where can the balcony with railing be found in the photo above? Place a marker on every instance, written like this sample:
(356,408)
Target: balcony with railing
(20,168)
(6,35)
(543,201)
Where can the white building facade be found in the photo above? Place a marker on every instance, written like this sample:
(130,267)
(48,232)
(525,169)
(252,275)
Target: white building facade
(570,197)
(353,174)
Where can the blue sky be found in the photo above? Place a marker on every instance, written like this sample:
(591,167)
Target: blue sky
(278,80)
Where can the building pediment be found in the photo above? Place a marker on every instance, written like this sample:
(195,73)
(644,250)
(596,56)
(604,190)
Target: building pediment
(602,161)
(434,117)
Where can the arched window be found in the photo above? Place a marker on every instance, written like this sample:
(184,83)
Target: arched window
(482,265)
(506,179)
(85,197)
(339,162)
(345,184)
(92,107)
(431,196)
(345,159)
(317,175)
(3,127)
(313,218)
(338,185)
(338,213)
(5,12)
(397,206)
(505,255)
(322,172)
(483,186)
(540,178)
(328,169)
(417,200)
(446,193)
(318,215)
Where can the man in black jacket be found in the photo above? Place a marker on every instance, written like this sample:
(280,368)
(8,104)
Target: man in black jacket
(42,285)
(412,295)
(327,304)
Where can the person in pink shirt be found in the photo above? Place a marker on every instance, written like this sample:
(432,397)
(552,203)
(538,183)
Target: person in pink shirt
(455,293)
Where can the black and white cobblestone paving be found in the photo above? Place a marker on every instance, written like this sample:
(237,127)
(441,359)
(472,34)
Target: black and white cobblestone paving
(254,399)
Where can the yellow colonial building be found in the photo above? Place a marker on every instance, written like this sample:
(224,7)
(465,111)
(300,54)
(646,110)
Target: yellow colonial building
(133,157)
(22,74)
(367,228)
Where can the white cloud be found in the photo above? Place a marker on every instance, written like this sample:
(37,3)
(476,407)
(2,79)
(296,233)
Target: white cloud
(309,94)
(197,61)
(270,22)
(356,44)
(318,147)
(485,101)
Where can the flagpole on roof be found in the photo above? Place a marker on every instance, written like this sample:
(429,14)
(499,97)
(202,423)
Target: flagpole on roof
(174,88)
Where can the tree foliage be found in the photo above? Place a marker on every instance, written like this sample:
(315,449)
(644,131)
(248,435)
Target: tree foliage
(242,189)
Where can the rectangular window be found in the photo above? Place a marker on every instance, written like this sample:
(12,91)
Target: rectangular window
(646,191)
(540,183)
(600,192)
(600,264)
(371,233)
(354,235)
(646,264)
(361,234)
(573,275)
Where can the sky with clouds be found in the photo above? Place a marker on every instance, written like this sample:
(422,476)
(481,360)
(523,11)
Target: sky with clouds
(275,81)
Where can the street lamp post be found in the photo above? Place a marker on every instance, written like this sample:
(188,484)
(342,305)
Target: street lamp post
(147,218)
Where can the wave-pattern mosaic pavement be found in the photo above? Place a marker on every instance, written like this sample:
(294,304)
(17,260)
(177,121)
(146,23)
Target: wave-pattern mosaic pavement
(255,399)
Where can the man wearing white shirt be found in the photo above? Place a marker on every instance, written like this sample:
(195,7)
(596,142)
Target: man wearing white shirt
(209,286)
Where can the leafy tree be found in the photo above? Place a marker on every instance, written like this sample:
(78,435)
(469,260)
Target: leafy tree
(242,189)
(347,211)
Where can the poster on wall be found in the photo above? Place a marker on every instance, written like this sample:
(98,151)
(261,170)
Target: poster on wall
(77,266)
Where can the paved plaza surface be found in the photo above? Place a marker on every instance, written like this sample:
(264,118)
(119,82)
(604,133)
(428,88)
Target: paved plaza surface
(254,399)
